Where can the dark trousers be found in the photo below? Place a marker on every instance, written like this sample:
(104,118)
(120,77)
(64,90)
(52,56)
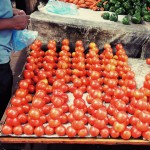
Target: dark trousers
(6,81)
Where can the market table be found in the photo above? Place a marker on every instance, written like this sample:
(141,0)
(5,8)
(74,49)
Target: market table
(139,67)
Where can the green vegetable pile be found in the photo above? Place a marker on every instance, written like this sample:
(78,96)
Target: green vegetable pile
(135,11)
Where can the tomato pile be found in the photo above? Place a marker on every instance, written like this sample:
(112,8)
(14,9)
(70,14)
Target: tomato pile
(79,95)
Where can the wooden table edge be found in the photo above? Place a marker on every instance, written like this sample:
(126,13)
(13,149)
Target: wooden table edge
(73,141)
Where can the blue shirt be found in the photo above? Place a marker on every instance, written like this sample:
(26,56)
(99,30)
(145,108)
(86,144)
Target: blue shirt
(5,35)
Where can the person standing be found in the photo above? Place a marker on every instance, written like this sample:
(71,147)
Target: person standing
(10,19)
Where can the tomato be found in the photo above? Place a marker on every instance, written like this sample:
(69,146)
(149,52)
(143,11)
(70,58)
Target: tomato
(79,103)
(148,61)
(65,41)
(70,131)
(26,108)
(121,116)
(99,124)
(146,135)
(54,123)
(22,118)
(144,116)
(101,113)
(83,132)
(28,129)
(111,120)
(78,114)
(11,112)
(60,130)
(6,129)
(34,113)
(16,101)
(40,94)
(55,113)
(119,93)
(119,127)
(21,93)
(120,105)
(38,102)
(119,46)
(94,132)
(77,93)
(31,88)
(104,132)
(57,101)
(135,133)
(63,118)
(77,82)
(126,134)
(41,86)
(78,124)
(39,131)
(27,74)
(48,130)
(142,126)
(18,130)
(113,133)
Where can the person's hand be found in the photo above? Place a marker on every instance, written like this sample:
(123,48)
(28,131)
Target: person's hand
(18,12)
(20,22)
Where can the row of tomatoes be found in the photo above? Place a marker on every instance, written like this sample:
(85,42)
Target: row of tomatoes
(79,94)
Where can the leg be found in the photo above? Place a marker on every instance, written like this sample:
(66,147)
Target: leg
(6,80)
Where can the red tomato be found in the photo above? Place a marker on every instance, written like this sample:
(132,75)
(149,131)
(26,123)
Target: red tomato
(135,133)
(21,93)
(22,118)
(39,131)
(48,130)
(101,113)
(148,61)
(54,123)
(113,133)
(38,102)
(104,132)
(11,112)
(55,113)
(26,108)
(119,127)
(77,93)
(146,135)
(99,124)
(70,131)
(28,129)
(16,101)
(34,113)
(79,103)
(65,41)
(94,132)
(78,124)
(83,132)
(18,130)
(23,84)
(121,116)
(126,134)
(78,114)
(60,130)
(6,129)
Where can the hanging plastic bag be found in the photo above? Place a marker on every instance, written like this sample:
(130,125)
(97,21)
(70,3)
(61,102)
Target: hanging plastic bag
(62,8)
(23,38)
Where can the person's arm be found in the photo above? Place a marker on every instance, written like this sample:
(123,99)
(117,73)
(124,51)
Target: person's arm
(17,22)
